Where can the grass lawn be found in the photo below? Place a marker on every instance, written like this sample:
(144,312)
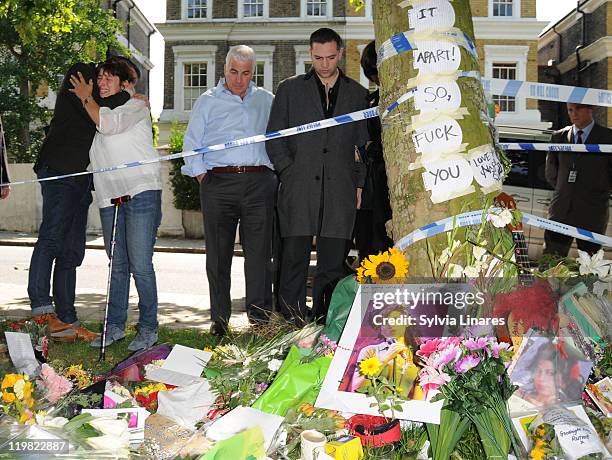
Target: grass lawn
(64,354)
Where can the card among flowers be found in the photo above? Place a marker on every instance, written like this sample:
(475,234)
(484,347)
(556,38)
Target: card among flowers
(378,348)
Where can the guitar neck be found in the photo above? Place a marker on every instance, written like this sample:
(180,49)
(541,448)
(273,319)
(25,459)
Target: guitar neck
(522,258)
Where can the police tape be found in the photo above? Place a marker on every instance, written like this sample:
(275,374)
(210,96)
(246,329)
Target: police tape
(331,122)
(476,217)
(407,41)
(579,148)
(548,92)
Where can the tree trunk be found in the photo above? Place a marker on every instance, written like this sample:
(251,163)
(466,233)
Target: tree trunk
(24,129)
(411,203)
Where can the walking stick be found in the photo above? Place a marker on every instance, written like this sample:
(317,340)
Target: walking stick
(117,202)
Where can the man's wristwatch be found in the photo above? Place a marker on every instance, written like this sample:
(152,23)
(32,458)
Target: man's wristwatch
(87,100)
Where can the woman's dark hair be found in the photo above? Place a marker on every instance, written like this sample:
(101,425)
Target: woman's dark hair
(115,68)
(368,61)
(129,63)
(325,35)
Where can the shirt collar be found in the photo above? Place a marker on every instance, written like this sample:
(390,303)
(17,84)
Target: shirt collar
(221,89)
(585,131)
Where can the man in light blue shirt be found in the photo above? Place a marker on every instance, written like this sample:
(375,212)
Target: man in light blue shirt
(236,185)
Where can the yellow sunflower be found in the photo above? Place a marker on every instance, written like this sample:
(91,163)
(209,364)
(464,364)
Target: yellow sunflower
(369,367)
(538,453)
(388,267)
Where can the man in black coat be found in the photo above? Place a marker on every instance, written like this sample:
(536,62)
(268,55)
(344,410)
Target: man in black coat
(320,181)
(582,182)
(4,173)
(61,237)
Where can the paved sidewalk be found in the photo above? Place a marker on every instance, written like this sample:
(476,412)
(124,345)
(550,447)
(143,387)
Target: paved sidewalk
(163,244)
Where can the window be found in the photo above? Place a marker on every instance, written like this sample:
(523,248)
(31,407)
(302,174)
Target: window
(259,74)
(302,59)
(253,8)
(197,9)
(502,8)
(313,9)
(262,76)
(506,72)
(316,7)
(194,73)
(195,82)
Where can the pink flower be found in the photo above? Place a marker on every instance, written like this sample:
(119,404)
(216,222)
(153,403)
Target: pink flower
(466,363)
(450,342)
(443,357)
(56,386)
(430,379)
(428,348)
(497,348)
(476,344)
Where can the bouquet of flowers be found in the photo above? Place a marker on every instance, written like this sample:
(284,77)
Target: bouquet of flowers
(54,385)
(79,377)
(470,374)
(37,329)
(17,397)
(146,395)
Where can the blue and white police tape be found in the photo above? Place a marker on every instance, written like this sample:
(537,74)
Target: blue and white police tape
(360,115)
(406,41)
(548,92)
(584,148)
(475,218)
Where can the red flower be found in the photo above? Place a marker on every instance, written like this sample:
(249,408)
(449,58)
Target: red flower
(22,321)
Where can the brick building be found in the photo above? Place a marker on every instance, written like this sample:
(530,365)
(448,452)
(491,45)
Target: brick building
(137,31)
(198,34)
(577,51)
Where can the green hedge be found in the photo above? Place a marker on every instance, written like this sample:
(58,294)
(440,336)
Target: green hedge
(186,189)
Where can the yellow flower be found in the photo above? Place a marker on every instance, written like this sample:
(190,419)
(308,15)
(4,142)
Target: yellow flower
(10,380)
(27,391)
(19,388)
(387,267)
(8,397)
(537,453)
(369,366)
(208,349)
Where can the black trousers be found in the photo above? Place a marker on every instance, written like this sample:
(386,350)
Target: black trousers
(559,245)
(226,199)
(331,253)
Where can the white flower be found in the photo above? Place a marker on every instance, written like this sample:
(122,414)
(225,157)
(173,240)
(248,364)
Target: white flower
(454,271)
(274,365)
(479,252)
(500,220)
(109,442)
(471,272)
(448,252)
(595,265)
(274,351)
(110,426)
(247,360)
(52,422)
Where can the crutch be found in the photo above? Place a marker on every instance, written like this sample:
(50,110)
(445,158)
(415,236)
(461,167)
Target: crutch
(116,202)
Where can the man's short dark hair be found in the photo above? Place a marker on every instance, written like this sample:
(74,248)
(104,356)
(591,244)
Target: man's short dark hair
(326,35)
(128,62)
(368,61)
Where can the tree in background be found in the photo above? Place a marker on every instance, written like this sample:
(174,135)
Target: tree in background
(39,40)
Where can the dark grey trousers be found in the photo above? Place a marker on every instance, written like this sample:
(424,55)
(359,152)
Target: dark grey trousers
(226,199)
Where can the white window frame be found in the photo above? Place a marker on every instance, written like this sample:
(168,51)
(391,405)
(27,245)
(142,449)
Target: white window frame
(509,66)
(302,56)
(329,11)
(516,10)
(515,54)
(187,54)
(265,54)
(266,11)
(209,9)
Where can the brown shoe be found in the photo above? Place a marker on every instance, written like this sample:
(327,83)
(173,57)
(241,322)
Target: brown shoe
(84,334)
(53,322)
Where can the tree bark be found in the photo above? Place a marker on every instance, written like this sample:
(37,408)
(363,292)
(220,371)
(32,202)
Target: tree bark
(410,201)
